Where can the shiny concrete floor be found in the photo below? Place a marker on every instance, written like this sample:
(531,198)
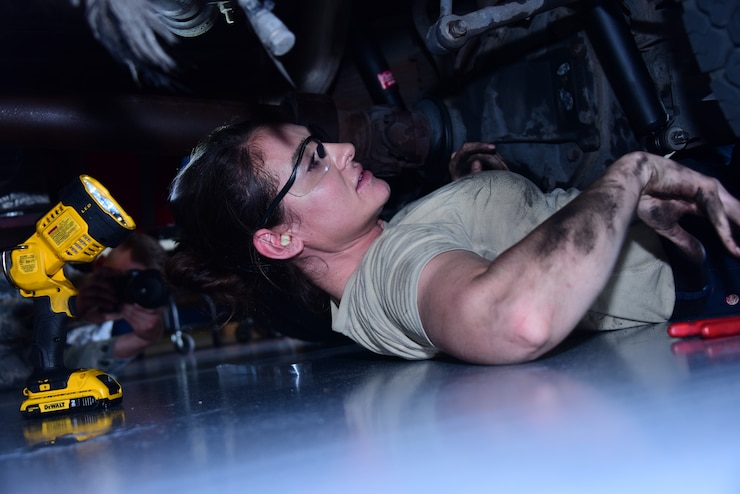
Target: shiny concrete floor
(624,412)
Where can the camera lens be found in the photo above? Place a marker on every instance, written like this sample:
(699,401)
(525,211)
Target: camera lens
(147,289)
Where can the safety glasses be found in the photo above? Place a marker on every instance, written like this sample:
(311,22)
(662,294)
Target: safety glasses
(310,167)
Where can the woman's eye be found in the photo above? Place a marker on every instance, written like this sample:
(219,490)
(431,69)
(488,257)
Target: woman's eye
(313,156)
(312,163)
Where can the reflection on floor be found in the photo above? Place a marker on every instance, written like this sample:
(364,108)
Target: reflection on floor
(630,411)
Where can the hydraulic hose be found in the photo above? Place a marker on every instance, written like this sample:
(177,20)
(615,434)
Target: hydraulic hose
(625,68)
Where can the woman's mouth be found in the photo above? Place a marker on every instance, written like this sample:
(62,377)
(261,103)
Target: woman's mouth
(362,179)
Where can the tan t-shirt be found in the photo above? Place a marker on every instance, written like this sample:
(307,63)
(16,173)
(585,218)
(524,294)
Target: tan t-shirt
(485,213)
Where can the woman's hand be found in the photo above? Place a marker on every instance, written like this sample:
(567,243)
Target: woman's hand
(473,157)
(673,191)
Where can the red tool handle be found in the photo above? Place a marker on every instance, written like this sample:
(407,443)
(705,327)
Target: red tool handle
(683,329)
(728,327)
(706,328)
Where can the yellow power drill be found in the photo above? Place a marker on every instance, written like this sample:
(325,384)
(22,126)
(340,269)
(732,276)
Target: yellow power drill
(84,222)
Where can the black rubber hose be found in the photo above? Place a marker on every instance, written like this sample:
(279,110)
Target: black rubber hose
(624,67)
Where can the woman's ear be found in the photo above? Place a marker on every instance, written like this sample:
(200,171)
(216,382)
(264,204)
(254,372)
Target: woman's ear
(276,245)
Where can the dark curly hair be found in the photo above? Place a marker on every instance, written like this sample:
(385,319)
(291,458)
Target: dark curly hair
(217,201)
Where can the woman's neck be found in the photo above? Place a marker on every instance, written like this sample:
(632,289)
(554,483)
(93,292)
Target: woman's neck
(331,272)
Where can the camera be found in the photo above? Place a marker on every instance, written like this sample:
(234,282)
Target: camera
(144,287)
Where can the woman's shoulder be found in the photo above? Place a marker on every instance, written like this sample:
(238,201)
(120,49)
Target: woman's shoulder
(473,191)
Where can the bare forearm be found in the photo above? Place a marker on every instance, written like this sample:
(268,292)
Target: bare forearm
(531,297)
(129,345)
(557,271)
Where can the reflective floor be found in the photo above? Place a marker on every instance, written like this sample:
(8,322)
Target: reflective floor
(623,412)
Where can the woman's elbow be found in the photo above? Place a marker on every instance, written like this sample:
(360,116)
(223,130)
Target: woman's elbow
(531,339)
(511,341)
(488,328)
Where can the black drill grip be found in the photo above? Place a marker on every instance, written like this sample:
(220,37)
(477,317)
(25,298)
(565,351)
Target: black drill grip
(47,347)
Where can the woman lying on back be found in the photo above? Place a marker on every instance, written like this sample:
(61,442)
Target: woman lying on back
(487,269)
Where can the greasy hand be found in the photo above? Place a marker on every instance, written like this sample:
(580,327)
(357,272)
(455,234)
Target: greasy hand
(473,157)
(673,191)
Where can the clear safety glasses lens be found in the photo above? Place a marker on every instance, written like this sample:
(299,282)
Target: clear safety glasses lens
(313,168)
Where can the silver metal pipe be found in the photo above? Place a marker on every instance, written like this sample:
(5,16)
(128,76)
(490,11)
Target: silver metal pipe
(451,32)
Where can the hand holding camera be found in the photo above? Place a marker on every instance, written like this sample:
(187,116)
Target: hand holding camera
(103,295)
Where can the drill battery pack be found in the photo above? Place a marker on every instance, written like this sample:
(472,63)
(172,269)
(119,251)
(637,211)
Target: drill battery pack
(85,389)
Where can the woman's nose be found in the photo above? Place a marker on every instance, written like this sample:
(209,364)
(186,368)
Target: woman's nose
(343,154)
